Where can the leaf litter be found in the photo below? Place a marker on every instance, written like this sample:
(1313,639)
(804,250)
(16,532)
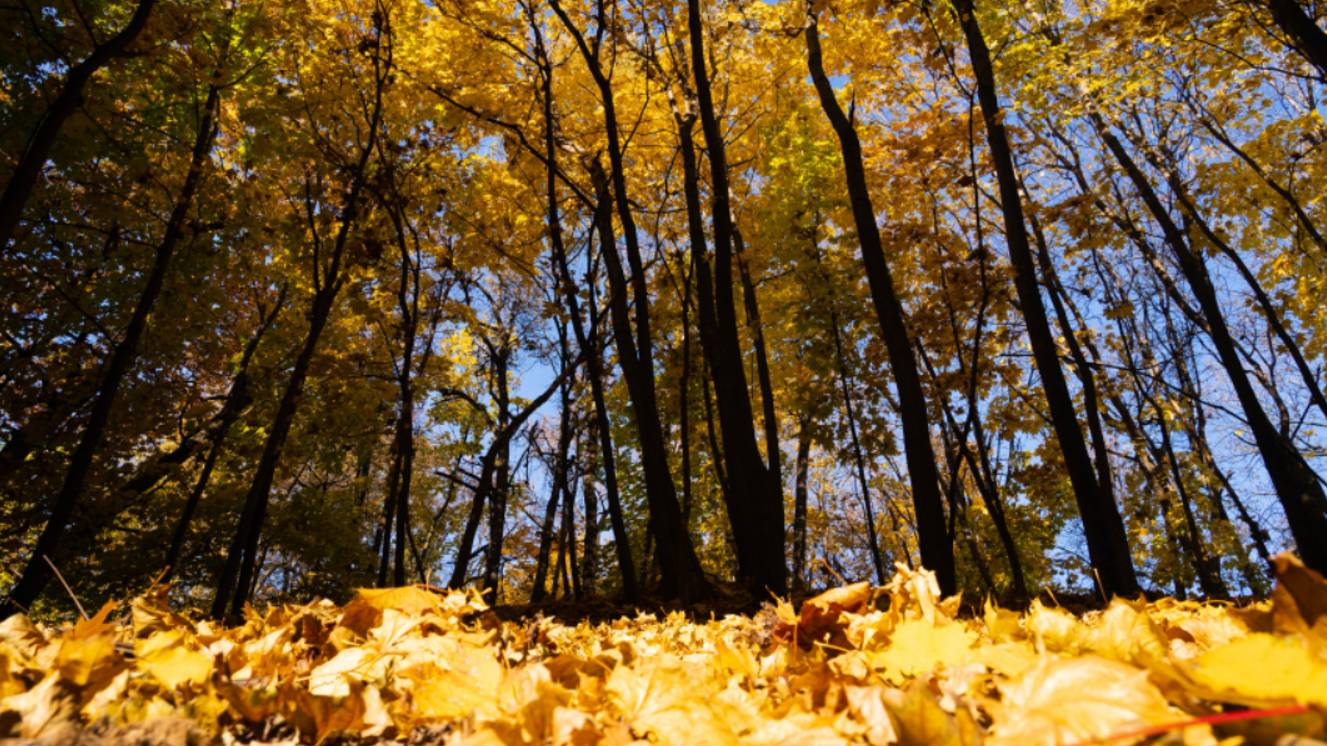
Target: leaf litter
(854,665)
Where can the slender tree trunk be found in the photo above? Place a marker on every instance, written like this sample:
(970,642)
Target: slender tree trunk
(407,299)
(758,526)
(23,180)
(681,572)
(237,574)
(465,547)
(569,531)
(859,459)
(1297,486)
(590,563)
(768,412)
(684,396)
(1102,526)
(561,471)
(937,549)
(384,543)
(37,573)
(1086,381)
(1265,304)
(801,470)
(237,400)
(587,342)
(497,499)
(712,437)
(538,590)
(486,484)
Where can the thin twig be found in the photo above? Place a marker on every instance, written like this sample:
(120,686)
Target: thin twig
(68,590)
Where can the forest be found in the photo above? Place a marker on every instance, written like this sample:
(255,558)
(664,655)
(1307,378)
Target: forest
(775,372)
(573,299)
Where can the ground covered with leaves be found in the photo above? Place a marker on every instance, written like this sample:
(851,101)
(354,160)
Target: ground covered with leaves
(852,665)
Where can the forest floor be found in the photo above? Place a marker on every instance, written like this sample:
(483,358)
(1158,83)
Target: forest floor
(892,665)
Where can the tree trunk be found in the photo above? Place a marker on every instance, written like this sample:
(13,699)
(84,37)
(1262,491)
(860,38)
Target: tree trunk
(497,499)
(37,573)
(768,412)
(1297,486)
(237,574)
(1102,526)
(758,527)
(590,561)
(801,469)
(23,180)
(587,342)
(237,399)
(937,549)
(681,572)
(1303,32)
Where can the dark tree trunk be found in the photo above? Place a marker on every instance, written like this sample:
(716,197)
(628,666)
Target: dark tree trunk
(1265,303)
(538,590)
(680,569)
(237,576)
(590,561)
(937,549)
(1303,32)
(561,471)
(407,301)
(383,542)
(23,180)
(569,542)
(684,395)
(1086,381)
(1102,526)
(486,485)
(1297,486)
(237,400)
(758,527)
(858,458)
(497,498)
(37,573)
(768,412)
(681,572)
(801,469)
(588,342)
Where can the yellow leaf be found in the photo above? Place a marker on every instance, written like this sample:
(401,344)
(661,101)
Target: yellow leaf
(173,658)
(41,709)
(1069,700)
(1262,669)
(464,683)
(87,656)
(917,647)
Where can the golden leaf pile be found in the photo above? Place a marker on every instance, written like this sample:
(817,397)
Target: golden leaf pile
(410,663)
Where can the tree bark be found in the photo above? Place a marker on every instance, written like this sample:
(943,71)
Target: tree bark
(1297,486)
(37,573)
(758,526)
(1102,526)
(801,470)
(681,572)
(586,340)
(23,180)
(680,568)
(937,548)
(237,399)
(1304,33)
(237,576)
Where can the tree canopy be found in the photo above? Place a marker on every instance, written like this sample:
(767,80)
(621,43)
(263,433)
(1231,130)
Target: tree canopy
(613,298)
